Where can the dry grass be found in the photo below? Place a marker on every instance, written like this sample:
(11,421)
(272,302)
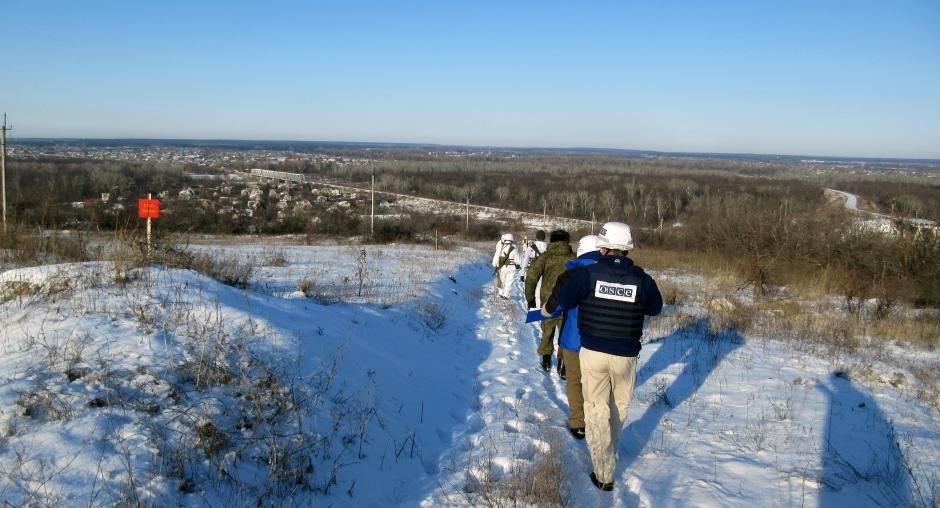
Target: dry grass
(918,327)
(731,314)
(672,295)
(840,323)
(17,290)
(22,247)
(540,485)
(537,482)
(653,258)
(856,341)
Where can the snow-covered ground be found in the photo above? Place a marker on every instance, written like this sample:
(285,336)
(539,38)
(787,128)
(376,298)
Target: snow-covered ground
(392,376)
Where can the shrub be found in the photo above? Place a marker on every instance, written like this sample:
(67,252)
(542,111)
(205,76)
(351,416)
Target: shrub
(22,247)
(398,230)
(333,222)
(483,230)
(212,440)
(232,270)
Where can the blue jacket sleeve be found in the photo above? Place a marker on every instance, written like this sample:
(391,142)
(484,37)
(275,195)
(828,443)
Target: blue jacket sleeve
(654,299)
(575,289)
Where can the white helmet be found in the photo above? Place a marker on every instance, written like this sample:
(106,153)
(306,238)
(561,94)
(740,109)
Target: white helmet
(587,244)
(616,236)
(508,238)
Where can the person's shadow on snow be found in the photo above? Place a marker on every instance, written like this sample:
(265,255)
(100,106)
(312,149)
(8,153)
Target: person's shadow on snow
(701,351)
(861,462)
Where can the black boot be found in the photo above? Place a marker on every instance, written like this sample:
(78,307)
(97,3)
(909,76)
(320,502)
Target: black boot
(561,366)
(603,486)
(547,363)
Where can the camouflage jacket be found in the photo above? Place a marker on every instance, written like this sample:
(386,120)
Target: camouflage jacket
(547,267)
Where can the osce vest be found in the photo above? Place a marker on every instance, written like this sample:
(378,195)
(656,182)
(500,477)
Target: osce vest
(614,309)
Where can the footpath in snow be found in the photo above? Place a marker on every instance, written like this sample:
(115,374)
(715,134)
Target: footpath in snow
(418,387)
(715,421)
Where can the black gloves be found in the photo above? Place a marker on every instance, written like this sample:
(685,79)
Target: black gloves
(531,303)
(522,278)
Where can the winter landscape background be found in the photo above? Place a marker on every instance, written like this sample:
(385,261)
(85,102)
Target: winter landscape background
(366,375)
(312,318)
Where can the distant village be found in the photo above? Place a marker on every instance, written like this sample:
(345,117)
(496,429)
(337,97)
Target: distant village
(208,157)
(219,158)
(232,185)
(246,195)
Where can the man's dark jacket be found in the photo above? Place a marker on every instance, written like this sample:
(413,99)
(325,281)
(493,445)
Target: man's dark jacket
(612,297)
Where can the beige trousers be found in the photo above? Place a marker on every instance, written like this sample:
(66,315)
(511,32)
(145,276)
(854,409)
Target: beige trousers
(607,384)
(573,388)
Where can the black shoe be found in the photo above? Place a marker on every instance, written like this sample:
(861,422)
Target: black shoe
(547,363)
(603,486)
(561,367)
(577,432)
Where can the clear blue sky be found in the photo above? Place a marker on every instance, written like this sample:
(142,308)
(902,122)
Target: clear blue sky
(819,77)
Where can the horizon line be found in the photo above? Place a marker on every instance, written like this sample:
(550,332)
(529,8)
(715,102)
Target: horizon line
(637,151)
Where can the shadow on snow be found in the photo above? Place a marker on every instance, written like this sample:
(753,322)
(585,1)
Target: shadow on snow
(424,354)
(701,351)
(861,462)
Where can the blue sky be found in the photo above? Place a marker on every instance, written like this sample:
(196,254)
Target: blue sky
(856,78)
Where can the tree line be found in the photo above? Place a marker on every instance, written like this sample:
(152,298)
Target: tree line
(772,224)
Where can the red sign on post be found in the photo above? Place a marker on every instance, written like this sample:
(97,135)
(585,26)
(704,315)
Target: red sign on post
(148,208)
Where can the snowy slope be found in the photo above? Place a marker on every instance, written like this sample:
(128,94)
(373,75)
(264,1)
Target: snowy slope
(163,386)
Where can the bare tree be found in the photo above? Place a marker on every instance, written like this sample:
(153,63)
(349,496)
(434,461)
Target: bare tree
(585,202)
(661,206)
(610,202)
(646,201)
(502,193)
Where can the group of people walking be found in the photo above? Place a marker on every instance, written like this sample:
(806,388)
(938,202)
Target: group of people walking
(595,301)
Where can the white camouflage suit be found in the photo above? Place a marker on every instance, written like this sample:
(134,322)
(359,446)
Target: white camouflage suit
(506,261)
(528,257)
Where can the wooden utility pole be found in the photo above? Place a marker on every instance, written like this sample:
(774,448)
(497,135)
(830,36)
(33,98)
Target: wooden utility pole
(149,235)
(372,220)
(3,166)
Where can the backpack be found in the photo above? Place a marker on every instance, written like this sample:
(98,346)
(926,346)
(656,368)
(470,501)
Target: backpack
(504,259)
(535,249)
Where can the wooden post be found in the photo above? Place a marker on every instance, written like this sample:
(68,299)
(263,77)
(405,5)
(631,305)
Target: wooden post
(592,222)
(3,167)
(149,236)
(468,214)
(435,239)
(372,220)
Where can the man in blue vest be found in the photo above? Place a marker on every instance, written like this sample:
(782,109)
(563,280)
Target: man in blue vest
(569,341)
(613,296)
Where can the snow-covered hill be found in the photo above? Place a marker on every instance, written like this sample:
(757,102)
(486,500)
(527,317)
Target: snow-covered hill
(392,376)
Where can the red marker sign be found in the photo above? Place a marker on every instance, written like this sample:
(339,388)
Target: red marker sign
(148,208)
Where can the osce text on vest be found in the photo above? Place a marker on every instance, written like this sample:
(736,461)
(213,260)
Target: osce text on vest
(612,291)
